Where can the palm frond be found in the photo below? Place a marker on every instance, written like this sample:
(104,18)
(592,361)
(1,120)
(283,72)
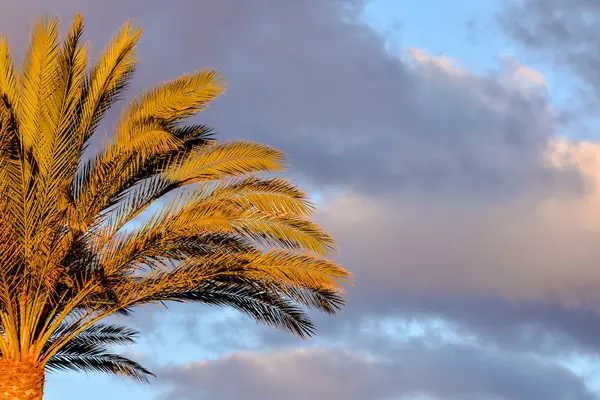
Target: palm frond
(37,83)
(8,79)
(161,213)
(108,79)
(170,103)
(98,360)
(225,160)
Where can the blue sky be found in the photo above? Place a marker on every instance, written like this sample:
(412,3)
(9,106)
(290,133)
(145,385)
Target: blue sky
(465,31)
(474,255)
(444,29)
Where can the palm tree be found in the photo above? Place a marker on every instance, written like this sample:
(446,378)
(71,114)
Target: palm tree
(161,213)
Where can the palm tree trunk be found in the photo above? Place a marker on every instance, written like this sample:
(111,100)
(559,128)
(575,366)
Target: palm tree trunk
(21,380)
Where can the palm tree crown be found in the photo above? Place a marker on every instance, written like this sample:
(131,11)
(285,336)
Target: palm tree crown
(161,213)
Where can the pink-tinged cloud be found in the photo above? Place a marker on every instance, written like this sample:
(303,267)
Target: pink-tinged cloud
(408,371)
(454,196)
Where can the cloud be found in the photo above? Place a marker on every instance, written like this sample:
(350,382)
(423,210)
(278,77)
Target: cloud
(565,33)
(347,112)
(454,183)
(520,275)
(451,194)
(456,189)
(523,250)
(522,264)
(447,372)
(350,113)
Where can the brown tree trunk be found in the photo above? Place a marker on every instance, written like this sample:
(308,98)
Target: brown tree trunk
(20,380)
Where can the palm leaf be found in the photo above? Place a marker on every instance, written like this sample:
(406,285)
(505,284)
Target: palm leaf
(161,213)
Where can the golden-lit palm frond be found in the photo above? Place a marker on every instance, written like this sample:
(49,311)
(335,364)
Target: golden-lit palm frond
(169,103)
(161,213)
(147,132)
(225,160)
(38,96)
(8,79)
(108,79)
(88,351)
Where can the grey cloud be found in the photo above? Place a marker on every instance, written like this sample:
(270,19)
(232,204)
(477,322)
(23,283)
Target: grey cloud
(309,78)
(543,328)
(349,113)
(520,275)
(420,139)
(564,32)
(449,372)
(541,22)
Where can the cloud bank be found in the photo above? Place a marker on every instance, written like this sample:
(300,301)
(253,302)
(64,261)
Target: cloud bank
(453,194)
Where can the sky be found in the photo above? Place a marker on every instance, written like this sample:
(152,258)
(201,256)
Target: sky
(453,150)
